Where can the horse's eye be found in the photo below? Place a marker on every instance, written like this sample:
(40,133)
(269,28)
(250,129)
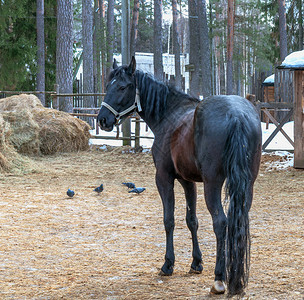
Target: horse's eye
(123,87)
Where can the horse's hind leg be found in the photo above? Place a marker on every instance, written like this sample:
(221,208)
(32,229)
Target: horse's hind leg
(192,223)
(214,205)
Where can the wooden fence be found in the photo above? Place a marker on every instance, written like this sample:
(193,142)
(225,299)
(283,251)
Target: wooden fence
(92,112)
(85,112)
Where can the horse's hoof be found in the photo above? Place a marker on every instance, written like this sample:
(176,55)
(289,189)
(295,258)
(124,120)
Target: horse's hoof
(197,270)
(162,273)
(218,287)
(167,272)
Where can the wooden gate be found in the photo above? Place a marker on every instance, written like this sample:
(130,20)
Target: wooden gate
(267,108)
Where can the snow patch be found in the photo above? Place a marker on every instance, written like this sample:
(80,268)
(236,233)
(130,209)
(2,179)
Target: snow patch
(279,142)
(269,79)
(284,162)
(294,60)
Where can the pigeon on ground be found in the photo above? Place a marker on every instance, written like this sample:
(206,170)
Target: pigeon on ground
(137,190)
(99,189)
(130,185)
(70,193)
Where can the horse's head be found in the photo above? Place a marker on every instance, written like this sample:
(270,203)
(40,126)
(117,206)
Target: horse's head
(121,99)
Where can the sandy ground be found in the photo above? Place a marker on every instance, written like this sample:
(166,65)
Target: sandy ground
(111,246)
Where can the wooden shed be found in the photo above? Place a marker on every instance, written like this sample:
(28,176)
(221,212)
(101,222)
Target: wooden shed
(268,85)
(295,63)
(268,95)
(299,117)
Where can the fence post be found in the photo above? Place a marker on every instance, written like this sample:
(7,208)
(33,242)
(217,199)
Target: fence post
(298,95)
(137,132)
(56,98)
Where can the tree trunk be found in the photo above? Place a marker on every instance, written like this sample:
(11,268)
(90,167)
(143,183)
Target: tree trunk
(97,47)
(40,51)
(125,51)
(103,44)
(125,32)
(158,49)
(134,27)
(217,51)
(194,55)
(300,21)
(110,36)
(176,46)
(213,52)
(282,27)
(204,49)
(87,43)
(230,37)
(64,53)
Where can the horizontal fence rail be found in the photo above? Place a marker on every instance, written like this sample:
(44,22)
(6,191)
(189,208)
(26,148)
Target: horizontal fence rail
(92,113)
(87,112)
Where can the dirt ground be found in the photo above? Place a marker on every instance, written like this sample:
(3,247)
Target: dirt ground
(111,246)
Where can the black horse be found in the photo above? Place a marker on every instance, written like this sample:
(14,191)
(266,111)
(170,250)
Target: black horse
(210,141)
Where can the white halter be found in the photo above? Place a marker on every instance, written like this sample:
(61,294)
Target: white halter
(118,115)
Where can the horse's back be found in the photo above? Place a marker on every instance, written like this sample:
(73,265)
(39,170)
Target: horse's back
(214,118)
(222,108)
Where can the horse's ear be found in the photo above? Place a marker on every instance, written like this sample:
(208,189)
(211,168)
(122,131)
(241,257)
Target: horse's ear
(115,66)
(132,65)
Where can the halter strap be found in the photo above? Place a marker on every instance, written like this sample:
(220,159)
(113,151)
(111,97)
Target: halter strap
(118,115)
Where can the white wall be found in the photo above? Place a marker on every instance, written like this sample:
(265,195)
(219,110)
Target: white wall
(144,62)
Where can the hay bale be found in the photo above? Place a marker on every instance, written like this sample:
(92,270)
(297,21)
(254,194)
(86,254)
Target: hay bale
(17,111)
(10,160)
(25,131)
(36,129)
(60,132)
(4,144)
(19,102)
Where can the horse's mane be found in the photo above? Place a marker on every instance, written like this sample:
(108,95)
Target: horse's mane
(157,94)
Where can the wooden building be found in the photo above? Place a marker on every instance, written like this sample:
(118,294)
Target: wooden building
(268,96)
(295,64)
(298,96)
(268,85)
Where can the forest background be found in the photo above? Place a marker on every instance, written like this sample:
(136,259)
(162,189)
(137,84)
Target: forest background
(228,41)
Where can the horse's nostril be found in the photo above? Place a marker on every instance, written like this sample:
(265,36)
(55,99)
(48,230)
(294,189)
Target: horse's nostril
(102,122)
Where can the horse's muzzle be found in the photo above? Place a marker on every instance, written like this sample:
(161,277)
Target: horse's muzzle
(104,126)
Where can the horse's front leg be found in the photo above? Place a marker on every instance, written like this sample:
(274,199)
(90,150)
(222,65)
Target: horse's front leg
(165,185)
(192,223)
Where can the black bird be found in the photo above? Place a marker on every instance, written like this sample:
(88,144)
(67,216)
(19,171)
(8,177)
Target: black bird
(130,185)
(137,190)
(70,193)
(99,189)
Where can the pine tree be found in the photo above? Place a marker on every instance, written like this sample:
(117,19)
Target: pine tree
(282,28)
(158,53)
(134,27)
(40,51)
(110,35)
(230,44)
(176,46)
(87,43)
(194,55)
(204,50)
(64,53)
(17,45)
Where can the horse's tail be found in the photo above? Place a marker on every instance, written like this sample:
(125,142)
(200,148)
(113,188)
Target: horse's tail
(236,161)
